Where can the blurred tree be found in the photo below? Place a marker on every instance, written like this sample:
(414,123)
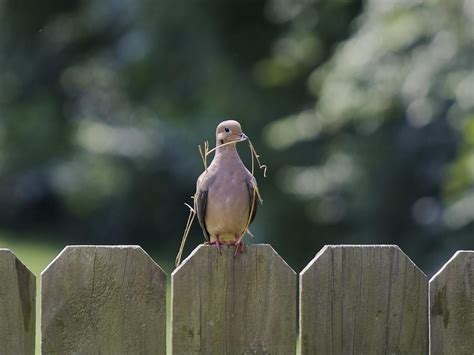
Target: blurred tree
(391,106)
(102,105)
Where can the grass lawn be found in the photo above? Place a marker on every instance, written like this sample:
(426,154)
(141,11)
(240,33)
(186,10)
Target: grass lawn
(36,255)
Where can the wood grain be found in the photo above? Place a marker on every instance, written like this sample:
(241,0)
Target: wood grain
(223,304)
(452,306)
(17,306)
(363,300)
(103,300)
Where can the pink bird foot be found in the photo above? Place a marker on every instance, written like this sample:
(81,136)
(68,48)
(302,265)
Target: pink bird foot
(217,243)
(239,246)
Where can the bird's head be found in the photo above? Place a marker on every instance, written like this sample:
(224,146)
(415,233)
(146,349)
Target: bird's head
(229,131)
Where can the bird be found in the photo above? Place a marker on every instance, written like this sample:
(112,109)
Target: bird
(226,192)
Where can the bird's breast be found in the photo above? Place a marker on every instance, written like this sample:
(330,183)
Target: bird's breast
(228,203)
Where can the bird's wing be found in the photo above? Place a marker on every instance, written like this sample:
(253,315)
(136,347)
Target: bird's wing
(251,185)
(200,204)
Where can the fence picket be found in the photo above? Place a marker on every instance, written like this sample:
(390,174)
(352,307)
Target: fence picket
(103,300)
(352,298)
(17,306)
(223,304)
(452,306)
(363,300)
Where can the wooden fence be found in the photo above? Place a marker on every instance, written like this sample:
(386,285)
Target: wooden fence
(359,299)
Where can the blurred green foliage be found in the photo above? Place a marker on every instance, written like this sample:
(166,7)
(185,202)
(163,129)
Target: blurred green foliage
(363,112)
(392,127)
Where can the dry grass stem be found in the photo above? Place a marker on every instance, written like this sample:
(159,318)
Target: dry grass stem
(253,153)
(204,153)
(222,145)
(246,229)
(192,214)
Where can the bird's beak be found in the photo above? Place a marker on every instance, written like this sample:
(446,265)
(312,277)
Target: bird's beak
(243,136)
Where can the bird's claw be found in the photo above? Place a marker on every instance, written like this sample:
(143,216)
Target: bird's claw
(239,247)
(217,244)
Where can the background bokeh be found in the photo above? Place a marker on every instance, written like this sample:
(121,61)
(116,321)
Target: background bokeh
(362,110)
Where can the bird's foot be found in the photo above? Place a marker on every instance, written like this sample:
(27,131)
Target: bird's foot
(239,246)
(217,243)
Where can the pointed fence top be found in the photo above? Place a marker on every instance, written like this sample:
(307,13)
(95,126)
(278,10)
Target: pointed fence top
(452,306)
(362,299)
(17,302)
(234,304)
(103,299)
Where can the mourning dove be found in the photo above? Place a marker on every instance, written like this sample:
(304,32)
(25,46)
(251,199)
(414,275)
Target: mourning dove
(226,191)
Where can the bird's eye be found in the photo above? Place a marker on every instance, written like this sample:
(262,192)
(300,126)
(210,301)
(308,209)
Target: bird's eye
(227,130)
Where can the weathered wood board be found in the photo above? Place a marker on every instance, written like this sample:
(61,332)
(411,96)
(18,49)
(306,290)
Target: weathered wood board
(363,300)
(17,306)
(452,306)
(226,304)
(103,300)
